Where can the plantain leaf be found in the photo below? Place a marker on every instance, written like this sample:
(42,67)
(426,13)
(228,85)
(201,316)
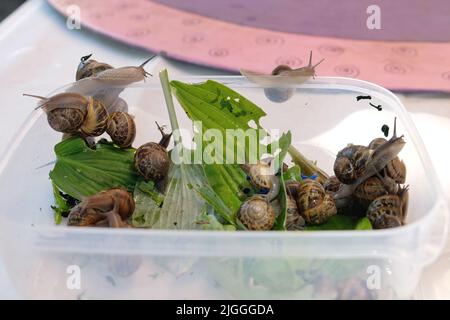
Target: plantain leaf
(80,171)
(221,108)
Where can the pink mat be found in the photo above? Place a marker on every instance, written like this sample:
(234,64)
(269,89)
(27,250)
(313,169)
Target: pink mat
(199,39)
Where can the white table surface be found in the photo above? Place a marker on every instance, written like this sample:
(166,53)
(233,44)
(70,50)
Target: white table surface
(38,54)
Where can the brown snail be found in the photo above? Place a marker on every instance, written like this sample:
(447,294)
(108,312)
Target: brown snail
(279,94)
(66,112)
(263,179)
(388,211)
(294,221)
(314,204)
(355,164)
(350,163)
(396,168)
(275,84)
(90,68)
(332,184)
(375,187)
(121,128)
(152,160)
(257,213)
(112,207)
(96,119)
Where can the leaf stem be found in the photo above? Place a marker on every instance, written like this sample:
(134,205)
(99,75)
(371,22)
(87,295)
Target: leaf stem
(164,78)
(307,166)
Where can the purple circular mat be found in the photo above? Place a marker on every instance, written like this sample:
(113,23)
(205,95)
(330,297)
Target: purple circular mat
(401,20)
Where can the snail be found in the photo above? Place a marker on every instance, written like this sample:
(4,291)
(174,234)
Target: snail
(263,179)
(355,164)
(314,204)
(90,68)
(396,168)
(388,211)
(152,160)
(121,128)
(375,187)
(279,94)
(257,214)
(294,221)
(111,207)
(351,162)
(96,119)
(66,112)
(332,184)
(125,75)
(281,76)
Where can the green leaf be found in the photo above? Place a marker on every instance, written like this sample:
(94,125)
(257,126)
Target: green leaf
(284,142)
(182,203)
(293,173)
(219,107)
(147,201)
(61,205)
(342,222)
(363,224)
(80,171)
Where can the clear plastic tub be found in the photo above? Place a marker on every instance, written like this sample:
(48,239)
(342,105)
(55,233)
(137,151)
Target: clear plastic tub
(323,116)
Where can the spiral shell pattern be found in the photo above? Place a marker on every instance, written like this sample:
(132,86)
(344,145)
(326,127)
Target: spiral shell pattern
(122,129)
(257,214)
(152,161)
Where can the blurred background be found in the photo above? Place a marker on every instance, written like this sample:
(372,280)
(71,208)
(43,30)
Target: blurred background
(8,6)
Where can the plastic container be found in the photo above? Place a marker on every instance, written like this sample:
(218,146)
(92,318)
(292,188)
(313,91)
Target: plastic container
(323,116)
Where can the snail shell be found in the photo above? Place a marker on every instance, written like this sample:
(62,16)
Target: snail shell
(66,112)
(279,94)
(351,163)
(96,119)
(294,221)
(90,68)
(332,184)
(374,187)
(314,204)
(66,120)
(396,169)
(152,161)
(386,212)
(260,176)
(256,213)
(121,128)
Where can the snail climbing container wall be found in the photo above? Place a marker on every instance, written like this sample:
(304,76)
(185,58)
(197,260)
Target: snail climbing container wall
(323,116)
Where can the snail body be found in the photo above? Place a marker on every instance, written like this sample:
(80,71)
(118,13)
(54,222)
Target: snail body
(125,75)
(113,206)
(256,213)
(121,128)
(90,68)
(396,168)
(314,204)
(96,119)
